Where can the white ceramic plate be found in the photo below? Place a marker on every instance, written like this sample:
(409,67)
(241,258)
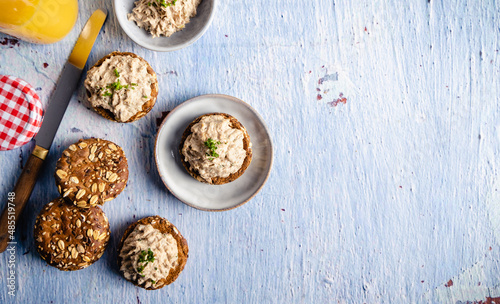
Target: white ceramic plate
(196,27)
(200,195)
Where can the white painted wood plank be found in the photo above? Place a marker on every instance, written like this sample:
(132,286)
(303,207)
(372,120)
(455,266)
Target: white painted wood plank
(381,199)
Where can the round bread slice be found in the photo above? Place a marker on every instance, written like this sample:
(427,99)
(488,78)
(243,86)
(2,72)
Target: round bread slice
(91,172)
(217,180)
(146,107)
(164,227)
(70,238)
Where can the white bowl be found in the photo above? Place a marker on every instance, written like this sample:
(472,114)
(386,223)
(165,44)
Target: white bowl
(205,196)
(196,27)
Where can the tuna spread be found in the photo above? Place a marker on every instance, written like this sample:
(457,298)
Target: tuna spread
(163,17)
(214,149)
(121,84)
(148,255)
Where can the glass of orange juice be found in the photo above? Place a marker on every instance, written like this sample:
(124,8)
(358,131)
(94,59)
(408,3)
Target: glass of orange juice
(38,21)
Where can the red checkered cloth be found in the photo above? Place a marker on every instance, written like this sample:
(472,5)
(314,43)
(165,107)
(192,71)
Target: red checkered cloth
(20,112)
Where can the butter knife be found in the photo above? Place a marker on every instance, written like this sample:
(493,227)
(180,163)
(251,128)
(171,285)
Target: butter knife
(65,87)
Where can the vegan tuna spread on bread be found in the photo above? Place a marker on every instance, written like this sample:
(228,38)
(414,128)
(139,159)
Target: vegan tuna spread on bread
(163,17)
(122,87)
(216,149)
(152,253)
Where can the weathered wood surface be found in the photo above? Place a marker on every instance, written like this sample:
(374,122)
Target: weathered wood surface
(385,121)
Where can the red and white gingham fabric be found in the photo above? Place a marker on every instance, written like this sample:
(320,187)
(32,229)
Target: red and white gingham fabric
(20,112)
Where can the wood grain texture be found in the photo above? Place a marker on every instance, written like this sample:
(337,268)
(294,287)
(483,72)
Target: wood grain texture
(18,199)
(385,122)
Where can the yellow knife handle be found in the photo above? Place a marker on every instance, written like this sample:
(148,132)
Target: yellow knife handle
(87,38)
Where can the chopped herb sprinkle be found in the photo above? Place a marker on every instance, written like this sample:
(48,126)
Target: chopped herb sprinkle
(162,3)
(115,86)
(145,257)
(212,146)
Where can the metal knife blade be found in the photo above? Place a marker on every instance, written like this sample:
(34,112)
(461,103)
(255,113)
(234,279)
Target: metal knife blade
(69,78)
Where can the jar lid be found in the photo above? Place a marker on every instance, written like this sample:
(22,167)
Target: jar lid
(20,112)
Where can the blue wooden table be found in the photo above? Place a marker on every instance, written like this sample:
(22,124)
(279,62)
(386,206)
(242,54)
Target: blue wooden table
(385,187)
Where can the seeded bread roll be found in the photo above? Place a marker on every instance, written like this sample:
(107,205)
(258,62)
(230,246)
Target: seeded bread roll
(130,254)
(91,172)
(70,238)
(200,152)
(103,91)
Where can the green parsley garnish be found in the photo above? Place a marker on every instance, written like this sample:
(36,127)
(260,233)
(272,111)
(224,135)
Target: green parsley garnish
(153,281)
(162,3)
(151,257)
(212,146)
(144,96)
(115,85)
(145,257)
(142,256)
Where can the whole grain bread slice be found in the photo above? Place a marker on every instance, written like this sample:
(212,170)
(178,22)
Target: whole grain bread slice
(71,238)
(235,124)
(164,226)
(146,107)
(91,172)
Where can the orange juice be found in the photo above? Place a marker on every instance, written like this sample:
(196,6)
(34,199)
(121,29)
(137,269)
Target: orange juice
(38,21)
